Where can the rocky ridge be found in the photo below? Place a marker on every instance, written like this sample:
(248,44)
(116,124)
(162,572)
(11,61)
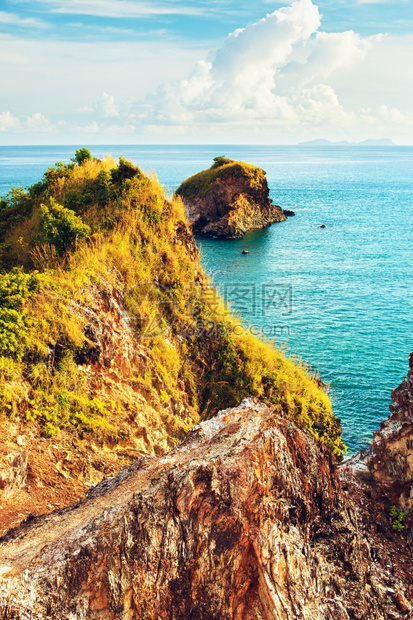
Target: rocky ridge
(228,200)
(245,519)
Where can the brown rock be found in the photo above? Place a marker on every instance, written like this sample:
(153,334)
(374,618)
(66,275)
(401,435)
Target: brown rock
(13,472)
(402,602)
(245,519)
(228,199)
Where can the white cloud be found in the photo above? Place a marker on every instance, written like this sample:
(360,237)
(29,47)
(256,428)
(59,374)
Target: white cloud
(8,122)
(280,79)
(275,73)
(15,20)
(271,71)
(39,123)
(105,106)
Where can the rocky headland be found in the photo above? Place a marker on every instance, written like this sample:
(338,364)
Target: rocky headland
(156,459)
(228,200)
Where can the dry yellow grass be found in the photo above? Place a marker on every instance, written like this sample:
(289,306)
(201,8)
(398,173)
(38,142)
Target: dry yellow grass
(135,241)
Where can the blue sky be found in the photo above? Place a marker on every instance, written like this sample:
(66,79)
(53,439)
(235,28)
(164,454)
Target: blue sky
(115,71)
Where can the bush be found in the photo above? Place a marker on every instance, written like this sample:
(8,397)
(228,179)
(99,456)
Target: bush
(398,517)
(15,289)
(61,226)
(82,155)
(125,170)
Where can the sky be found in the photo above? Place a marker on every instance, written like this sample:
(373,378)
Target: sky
(205,72)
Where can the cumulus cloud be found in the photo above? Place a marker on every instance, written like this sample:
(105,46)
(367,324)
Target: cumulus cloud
(271,71)
(38,123)
(105,106)
(8,122)
(280,77)
(275,72)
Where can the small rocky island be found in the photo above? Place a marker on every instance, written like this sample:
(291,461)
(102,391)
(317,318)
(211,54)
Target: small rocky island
(228,199)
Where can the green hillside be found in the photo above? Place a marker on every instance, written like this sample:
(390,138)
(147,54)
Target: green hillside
(97,264)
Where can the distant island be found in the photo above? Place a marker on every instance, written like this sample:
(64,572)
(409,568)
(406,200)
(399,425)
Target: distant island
(371,142)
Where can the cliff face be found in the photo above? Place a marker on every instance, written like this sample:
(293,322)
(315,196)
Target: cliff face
(245,519)
(228,200)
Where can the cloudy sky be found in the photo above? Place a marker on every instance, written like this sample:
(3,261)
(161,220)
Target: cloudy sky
(205,71)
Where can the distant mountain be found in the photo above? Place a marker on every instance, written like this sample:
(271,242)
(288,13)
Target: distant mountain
(371,142)
(380,142)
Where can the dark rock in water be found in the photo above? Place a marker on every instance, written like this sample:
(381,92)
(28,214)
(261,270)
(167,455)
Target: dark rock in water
(288,212)
(323,226)
(228,199)
(245,252)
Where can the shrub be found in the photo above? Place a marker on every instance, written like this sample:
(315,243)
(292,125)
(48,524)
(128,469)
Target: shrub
(398,517)
(82,155)
(125,170)
(221,161)
(15,289)
(61,226)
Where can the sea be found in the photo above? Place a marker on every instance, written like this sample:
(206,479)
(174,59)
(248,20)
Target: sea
(332,286)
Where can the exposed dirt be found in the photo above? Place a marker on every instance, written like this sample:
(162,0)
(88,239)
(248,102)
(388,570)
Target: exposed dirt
(56,474)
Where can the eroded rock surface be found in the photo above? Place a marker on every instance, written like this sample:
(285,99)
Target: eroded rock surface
(13,472)
(228,200)
(246,519)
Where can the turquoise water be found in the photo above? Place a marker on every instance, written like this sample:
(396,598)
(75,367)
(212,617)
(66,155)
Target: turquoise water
(340,298)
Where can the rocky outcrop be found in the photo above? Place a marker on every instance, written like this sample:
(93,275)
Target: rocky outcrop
(387,465)
(228,200)
(245,519)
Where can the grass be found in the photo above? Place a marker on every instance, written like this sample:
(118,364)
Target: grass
(137,252)
(200,184)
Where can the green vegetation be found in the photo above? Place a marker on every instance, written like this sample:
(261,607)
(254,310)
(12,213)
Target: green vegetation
(221,161)
(15,289)
(398,518)
(92,231)
(82,155)
(199,184)
(61,227)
